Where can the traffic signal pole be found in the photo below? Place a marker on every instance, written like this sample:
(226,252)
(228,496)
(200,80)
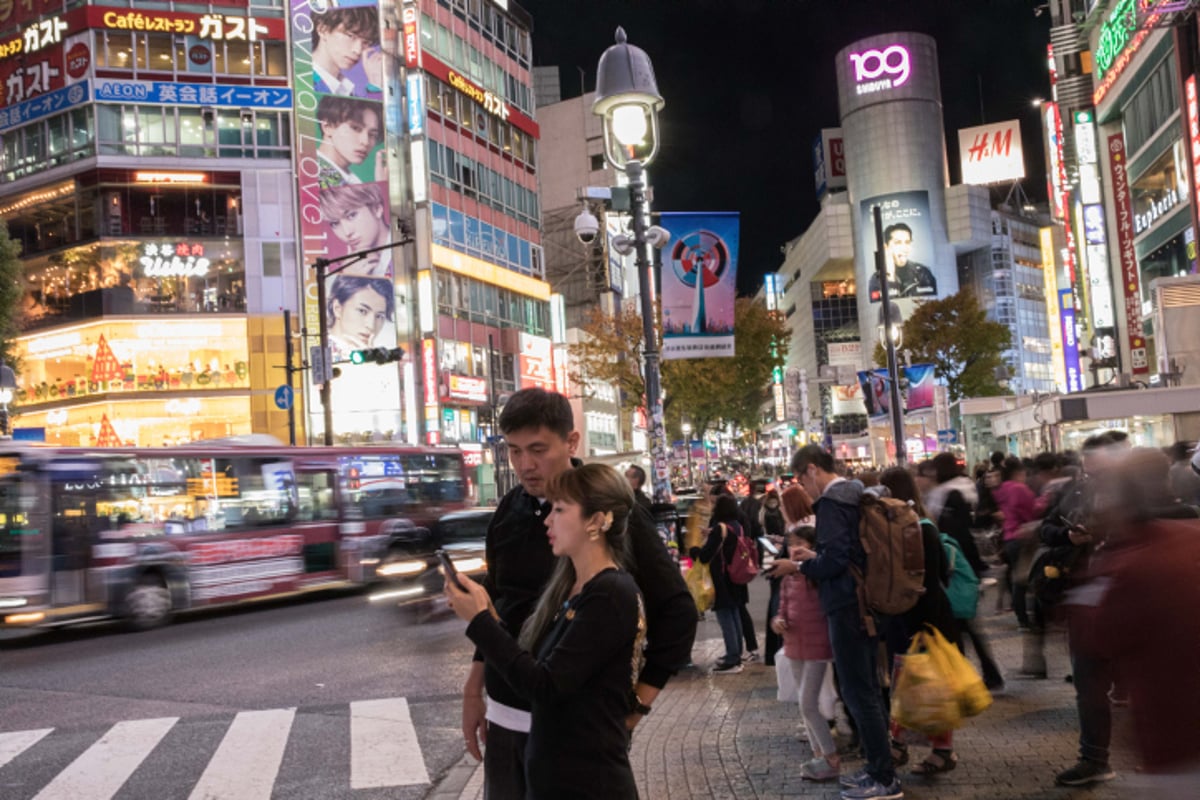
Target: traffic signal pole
(322,268)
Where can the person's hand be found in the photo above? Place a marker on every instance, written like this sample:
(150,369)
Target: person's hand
(632,720)
(474,713)
(468,601)
(1079,535)
(782,567)
(998,516)
(381,170)
(804,554)
(779,625)
(372,63)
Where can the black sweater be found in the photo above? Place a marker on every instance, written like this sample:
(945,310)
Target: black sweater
(580,685)
(520,562)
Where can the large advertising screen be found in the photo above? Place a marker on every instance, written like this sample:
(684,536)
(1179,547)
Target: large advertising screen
(339,69)
(908,247)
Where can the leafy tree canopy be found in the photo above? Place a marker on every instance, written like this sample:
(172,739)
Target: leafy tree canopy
(964,346)
(707,391)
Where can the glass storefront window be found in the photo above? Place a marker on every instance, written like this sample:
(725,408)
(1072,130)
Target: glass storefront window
(124,356)
(156,275)
(141,423)
(1170,260)
(1160,189)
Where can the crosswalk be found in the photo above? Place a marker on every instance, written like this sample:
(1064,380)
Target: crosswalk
(382,750)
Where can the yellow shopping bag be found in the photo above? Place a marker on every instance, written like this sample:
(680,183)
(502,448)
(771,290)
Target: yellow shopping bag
(923,697)
(700,584)
(973,696)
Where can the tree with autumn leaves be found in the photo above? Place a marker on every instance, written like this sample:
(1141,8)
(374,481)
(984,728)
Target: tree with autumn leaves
(964,346)
(11,291)
(708,391)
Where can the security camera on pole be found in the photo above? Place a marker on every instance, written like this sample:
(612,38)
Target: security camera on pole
(628,101)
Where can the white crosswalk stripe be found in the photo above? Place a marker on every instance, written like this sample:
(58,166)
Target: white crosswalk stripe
(246,763)
(13,744)
(384,751)
(383,745)
(105,766)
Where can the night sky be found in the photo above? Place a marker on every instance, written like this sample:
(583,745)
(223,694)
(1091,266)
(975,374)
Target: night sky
(749,83)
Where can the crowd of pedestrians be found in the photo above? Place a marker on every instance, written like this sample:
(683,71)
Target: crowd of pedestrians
(584,615)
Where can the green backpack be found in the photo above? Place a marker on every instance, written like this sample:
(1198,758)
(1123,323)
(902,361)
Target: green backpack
(963,589)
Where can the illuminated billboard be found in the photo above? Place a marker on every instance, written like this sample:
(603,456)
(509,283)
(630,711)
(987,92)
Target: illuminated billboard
(991,153)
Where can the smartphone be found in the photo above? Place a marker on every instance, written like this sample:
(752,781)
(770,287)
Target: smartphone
(1074,526)
(768,545)
(448,568)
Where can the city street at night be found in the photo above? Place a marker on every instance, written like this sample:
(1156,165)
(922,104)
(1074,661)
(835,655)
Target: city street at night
(204,707)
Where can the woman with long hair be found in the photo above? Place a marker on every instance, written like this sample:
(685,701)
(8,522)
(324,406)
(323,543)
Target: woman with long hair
(731,598)
(579,654)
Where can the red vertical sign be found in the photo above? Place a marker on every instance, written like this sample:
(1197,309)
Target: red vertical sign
(1130,279)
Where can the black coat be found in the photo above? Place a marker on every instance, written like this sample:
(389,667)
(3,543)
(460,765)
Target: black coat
(717,555)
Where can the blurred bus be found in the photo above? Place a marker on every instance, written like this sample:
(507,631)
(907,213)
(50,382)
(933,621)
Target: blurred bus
(141,534)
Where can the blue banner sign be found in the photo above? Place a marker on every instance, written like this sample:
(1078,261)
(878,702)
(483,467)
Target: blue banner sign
(43,105)
(192,94)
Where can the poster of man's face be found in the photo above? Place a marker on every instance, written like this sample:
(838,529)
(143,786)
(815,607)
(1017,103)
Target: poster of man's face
(908,245)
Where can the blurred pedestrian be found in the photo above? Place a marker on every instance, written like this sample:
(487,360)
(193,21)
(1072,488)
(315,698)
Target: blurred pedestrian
(1015,502)
(580,652)
(805,632)
(1137,612)
(1185,483)
(637,479)
(770,516)
(932,608)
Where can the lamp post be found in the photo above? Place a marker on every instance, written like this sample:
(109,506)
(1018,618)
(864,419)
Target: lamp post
(628,102)
(687,446)
(322,268)
(890,321)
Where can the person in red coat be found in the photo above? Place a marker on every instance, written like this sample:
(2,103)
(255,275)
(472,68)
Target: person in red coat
(805,631)
(1139,612)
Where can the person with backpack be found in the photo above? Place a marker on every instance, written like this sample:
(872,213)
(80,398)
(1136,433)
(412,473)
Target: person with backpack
(838,555)
(933,608)
(721,553)
(949,497)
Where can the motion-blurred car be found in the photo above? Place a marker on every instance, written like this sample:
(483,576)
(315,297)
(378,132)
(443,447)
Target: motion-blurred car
(409,571)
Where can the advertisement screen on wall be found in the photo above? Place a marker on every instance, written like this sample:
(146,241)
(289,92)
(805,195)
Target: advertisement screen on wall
(339,69)
(991,153)
(908,247)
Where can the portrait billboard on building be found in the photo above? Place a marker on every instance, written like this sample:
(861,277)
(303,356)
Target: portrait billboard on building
(338,68)
(699,284)
(908,247)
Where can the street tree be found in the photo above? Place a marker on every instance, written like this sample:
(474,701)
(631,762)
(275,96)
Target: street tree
(955,335)
(708,391)
(11,291)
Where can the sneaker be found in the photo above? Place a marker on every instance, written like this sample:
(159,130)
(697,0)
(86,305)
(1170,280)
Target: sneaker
(726,669)
(874,790)
(1085,773)
(749,656)
(855,779)
(819,770)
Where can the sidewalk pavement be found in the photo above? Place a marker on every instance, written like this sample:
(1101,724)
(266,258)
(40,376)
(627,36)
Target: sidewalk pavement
(726,736)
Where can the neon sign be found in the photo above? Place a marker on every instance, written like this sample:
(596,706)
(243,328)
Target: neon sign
(1119,39)
(174,260)
(877,70)
(490,102)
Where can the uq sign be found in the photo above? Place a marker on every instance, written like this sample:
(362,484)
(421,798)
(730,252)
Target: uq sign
(878,70)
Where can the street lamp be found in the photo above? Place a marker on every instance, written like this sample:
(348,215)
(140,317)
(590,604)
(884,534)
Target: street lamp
(687,446)
(890,321)
(628,102)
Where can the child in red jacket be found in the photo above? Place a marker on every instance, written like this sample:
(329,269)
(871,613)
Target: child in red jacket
(805,632)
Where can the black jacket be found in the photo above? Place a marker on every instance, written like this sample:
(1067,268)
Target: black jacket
(717,555)
(580,686)
(520,562)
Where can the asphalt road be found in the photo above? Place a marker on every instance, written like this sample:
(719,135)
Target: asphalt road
(200,708)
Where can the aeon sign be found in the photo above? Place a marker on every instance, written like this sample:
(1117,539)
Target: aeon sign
(877,70)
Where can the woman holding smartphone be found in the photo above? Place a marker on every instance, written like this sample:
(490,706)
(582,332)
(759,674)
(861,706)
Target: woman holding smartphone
(579,654)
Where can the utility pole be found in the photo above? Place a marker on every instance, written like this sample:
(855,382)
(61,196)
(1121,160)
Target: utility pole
(289,354)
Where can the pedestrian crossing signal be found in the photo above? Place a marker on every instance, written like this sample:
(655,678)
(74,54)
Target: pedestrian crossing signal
(378,355)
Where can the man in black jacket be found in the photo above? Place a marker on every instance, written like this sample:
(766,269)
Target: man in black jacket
(538,428)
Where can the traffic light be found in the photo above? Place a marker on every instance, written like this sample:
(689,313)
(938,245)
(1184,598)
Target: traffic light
(378,355)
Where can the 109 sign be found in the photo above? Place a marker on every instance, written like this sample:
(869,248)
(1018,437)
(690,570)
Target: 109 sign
(876,70)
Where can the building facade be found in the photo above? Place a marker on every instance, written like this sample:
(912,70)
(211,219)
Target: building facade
(145,172)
